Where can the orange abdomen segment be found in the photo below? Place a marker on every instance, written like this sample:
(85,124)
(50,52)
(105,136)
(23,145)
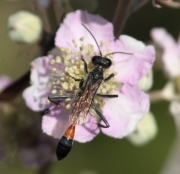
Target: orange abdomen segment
(70,132)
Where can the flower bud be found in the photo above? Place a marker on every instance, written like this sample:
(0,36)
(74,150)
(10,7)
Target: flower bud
(168,92)
(175,108)
(145,131)
(147,81)
(24,27)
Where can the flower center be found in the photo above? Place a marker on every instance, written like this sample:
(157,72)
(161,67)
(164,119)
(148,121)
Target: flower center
(68,66)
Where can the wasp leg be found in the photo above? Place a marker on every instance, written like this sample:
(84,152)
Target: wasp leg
(80,83)
(101,116)
(46,111)
(109,77)
(74,78)
(53,101)
(85,65)
(107,96)
(51,98)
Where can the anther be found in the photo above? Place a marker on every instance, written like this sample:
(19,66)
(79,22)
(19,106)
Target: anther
(68,106)
(54,91)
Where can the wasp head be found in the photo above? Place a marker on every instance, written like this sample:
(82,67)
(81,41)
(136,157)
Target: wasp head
(101,61)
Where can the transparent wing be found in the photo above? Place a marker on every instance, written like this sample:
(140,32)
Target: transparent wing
(82,106)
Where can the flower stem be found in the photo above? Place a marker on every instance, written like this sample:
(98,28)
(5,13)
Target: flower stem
(155,96)
(52,18)
(15,88)
(121,15)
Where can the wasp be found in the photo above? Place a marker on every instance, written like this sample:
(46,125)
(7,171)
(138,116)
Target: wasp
(88,89)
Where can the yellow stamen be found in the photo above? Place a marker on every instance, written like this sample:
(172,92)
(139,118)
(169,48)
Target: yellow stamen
(62,83)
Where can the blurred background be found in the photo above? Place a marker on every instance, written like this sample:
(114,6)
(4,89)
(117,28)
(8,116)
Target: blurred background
(103,155)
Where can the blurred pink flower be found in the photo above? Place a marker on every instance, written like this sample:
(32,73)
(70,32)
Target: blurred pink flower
(171,65)
(5,81)
(171,51)
(17,127)
(42,3)
(48,78)
(39,152)
(168,3)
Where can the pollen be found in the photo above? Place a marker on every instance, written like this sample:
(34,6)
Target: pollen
(65,86)
(52,61)
(54,91)
(81,38)
(68,99)
(68,106)
(101,43)
(107,43)
(67,69)
(47,101)
(53,70)
(74,41)
(58,59)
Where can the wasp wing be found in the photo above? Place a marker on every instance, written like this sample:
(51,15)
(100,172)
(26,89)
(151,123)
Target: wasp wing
(83,104)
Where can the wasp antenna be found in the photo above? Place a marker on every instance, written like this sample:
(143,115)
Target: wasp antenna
(93,38)
(118,52)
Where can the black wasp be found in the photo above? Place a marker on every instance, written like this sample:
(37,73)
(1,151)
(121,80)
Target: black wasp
(88,89)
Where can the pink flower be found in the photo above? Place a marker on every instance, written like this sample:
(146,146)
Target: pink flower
(35,147)
(5,81)
(171,51)
(42,3)
(39,152)
(48,78)
(171,65)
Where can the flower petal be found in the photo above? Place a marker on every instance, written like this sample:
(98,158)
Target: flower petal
(87,131)
(178,43)
(171,55)
(35,96)
(131,68)
(5,81)
(40,69)
(56,122)
(124,112)
(66,33)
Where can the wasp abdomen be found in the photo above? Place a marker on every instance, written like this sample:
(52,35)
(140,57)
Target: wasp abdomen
(63,148)
(66,142)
